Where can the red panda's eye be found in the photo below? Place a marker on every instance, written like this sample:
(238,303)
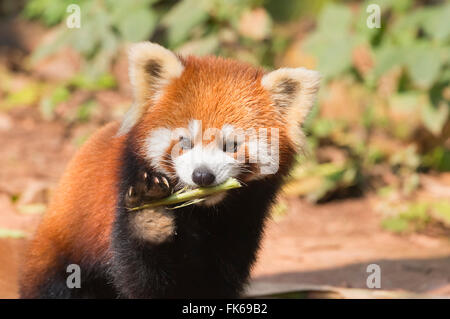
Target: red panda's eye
(186,143)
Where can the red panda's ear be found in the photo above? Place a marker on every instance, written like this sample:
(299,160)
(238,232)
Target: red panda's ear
(293,91)
(151,67)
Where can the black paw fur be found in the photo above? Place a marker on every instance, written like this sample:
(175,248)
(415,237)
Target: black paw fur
(148,187)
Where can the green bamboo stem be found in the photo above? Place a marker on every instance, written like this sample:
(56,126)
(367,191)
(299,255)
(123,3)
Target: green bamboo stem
(184,196)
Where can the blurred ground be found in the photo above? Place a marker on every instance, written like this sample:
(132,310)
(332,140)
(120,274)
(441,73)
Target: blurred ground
(325,244)
(332,244)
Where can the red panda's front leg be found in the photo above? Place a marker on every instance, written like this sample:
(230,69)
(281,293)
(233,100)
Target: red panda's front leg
(141,239)
(153,225)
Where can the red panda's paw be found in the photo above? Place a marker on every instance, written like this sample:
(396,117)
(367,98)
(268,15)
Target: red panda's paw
(148,187)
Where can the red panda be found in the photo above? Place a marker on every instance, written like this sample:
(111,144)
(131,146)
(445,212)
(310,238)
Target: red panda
(202,250)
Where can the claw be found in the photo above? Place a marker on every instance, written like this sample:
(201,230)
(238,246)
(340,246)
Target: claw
(166,183)
(130,192)
(148,187)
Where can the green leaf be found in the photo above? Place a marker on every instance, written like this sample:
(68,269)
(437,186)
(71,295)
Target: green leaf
(406,102)
(94,24)
(85,110)
(48,11)
(406,157)
(405,28)
(335,18)
(49,103)
(203,46)
(414,217)
(137,25)
(322,127)
(423,63)
(93,83)
(401,5)
(102,60)
(315,181)
(441,211)
(42,51)
(27,95)
(395,224)
(184,16)
(332,43)
(435,117)
(84,40)
(437,23)
(416,212)
(333,52)
(386,58)
(438,158)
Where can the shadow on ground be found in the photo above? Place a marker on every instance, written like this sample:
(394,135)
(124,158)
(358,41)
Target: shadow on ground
(428,276)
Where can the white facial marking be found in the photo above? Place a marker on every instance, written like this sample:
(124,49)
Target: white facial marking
(262,148)
(156,145)
(227,129)
(195,128)
(221,165)
(264,152)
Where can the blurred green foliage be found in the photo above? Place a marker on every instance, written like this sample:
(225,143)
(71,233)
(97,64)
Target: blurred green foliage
(417,215)
(104,24)
(198,26)
(415,40)
(395,81)
(382,116)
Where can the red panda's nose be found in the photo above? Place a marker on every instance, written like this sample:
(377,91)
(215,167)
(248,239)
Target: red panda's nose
(202,176)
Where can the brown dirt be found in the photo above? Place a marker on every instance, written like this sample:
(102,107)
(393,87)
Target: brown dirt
(332,244)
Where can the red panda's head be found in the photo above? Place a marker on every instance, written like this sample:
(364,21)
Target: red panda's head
(203,120)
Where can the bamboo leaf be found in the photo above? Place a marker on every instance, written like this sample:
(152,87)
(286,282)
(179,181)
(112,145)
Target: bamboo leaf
(190,195)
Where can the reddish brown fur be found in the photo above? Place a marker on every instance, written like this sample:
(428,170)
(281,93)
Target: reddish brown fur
(79,218)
